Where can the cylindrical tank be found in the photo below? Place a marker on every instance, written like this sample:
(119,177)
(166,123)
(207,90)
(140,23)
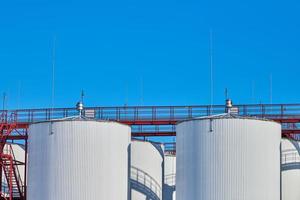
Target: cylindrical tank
(227,157)
(146,170)
(290,169)
(78,159)
(169,190)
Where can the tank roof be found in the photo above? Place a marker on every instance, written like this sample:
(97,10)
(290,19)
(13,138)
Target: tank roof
(78,118)
(227,116)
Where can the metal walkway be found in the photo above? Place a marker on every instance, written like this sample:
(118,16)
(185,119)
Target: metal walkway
(160,120)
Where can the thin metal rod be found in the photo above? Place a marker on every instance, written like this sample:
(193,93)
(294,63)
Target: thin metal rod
(142,92)
(53,70)
(211,70)
(253,92)
(19,94)
(271,89)
(4,101)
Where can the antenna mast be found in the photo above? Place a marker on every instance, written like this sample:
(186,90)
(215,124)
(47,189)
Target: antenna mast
(53,71)
(142,91)
(82,96)
(4,100)
(226,93)
(253,91)
(19,95)
(211,69)
(271,89)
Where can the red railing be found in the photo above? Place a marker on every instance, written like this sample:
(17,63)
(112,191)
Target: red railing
(160,120)
(145,120)
(158,113)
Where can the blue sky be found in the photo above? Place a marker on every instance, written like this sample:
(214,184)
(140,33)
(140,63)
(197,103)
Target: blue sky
(148,52)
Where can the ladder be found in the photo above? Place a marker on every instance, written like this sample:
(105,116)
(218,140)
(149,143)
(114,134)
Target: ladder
(12,174)
(8,162)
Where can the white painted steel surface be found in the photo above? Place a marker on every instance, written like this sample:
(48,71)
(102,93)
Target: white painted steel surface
(78,159)
(290,169)
(228,158)
(146,171)
(170,177)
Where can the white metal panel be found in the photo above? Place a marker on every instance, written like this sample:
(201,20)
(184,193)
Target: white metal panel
(290,170)
(170,177)
(228,159)
(78,160)
(138,195)
(146,170)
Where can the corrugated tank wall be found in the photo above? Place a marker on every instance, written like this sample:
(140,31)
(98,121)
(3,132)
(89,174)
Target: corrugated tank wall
(146,171)
(77,160)
(290,169)
(228,159)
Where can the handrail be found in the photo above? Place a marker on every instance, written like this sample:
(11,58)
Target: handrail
(170,147)
(276,111)
(170,179)
(289,157)
(146,180)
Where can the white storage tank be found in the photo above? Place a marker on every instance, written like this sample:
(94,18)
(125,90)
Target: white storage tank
(227,157)
(169,190)
(146,170)
(78,159)
(290,169)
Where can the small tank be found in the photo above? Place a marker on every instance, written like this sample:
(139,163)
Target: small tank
(290,169)
(169,191)
(146,170)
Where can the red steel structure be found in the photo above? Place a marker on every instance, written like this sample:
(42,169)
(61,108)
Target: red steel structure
(14,188)
(146,121)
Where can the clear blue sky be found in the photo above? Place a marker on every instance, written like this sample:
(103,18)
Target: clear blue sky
(108,48)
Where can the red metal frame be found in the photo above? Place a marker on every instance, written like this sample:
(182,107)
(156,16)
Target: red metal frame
(162,116)
(8,163)
(146,121)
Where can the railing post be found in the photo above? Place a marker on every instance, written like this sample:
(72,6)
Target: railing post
(190,115)
(136,113)
(208,112)
(172,114)
(46,114)
(245,110)
(285,158)
(263,109)
(153,113)
(117,113)
(101,113)
(31,116)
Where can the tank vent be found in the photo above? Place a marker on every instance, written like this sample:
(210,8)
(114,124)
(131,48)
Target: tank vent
(230,109)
